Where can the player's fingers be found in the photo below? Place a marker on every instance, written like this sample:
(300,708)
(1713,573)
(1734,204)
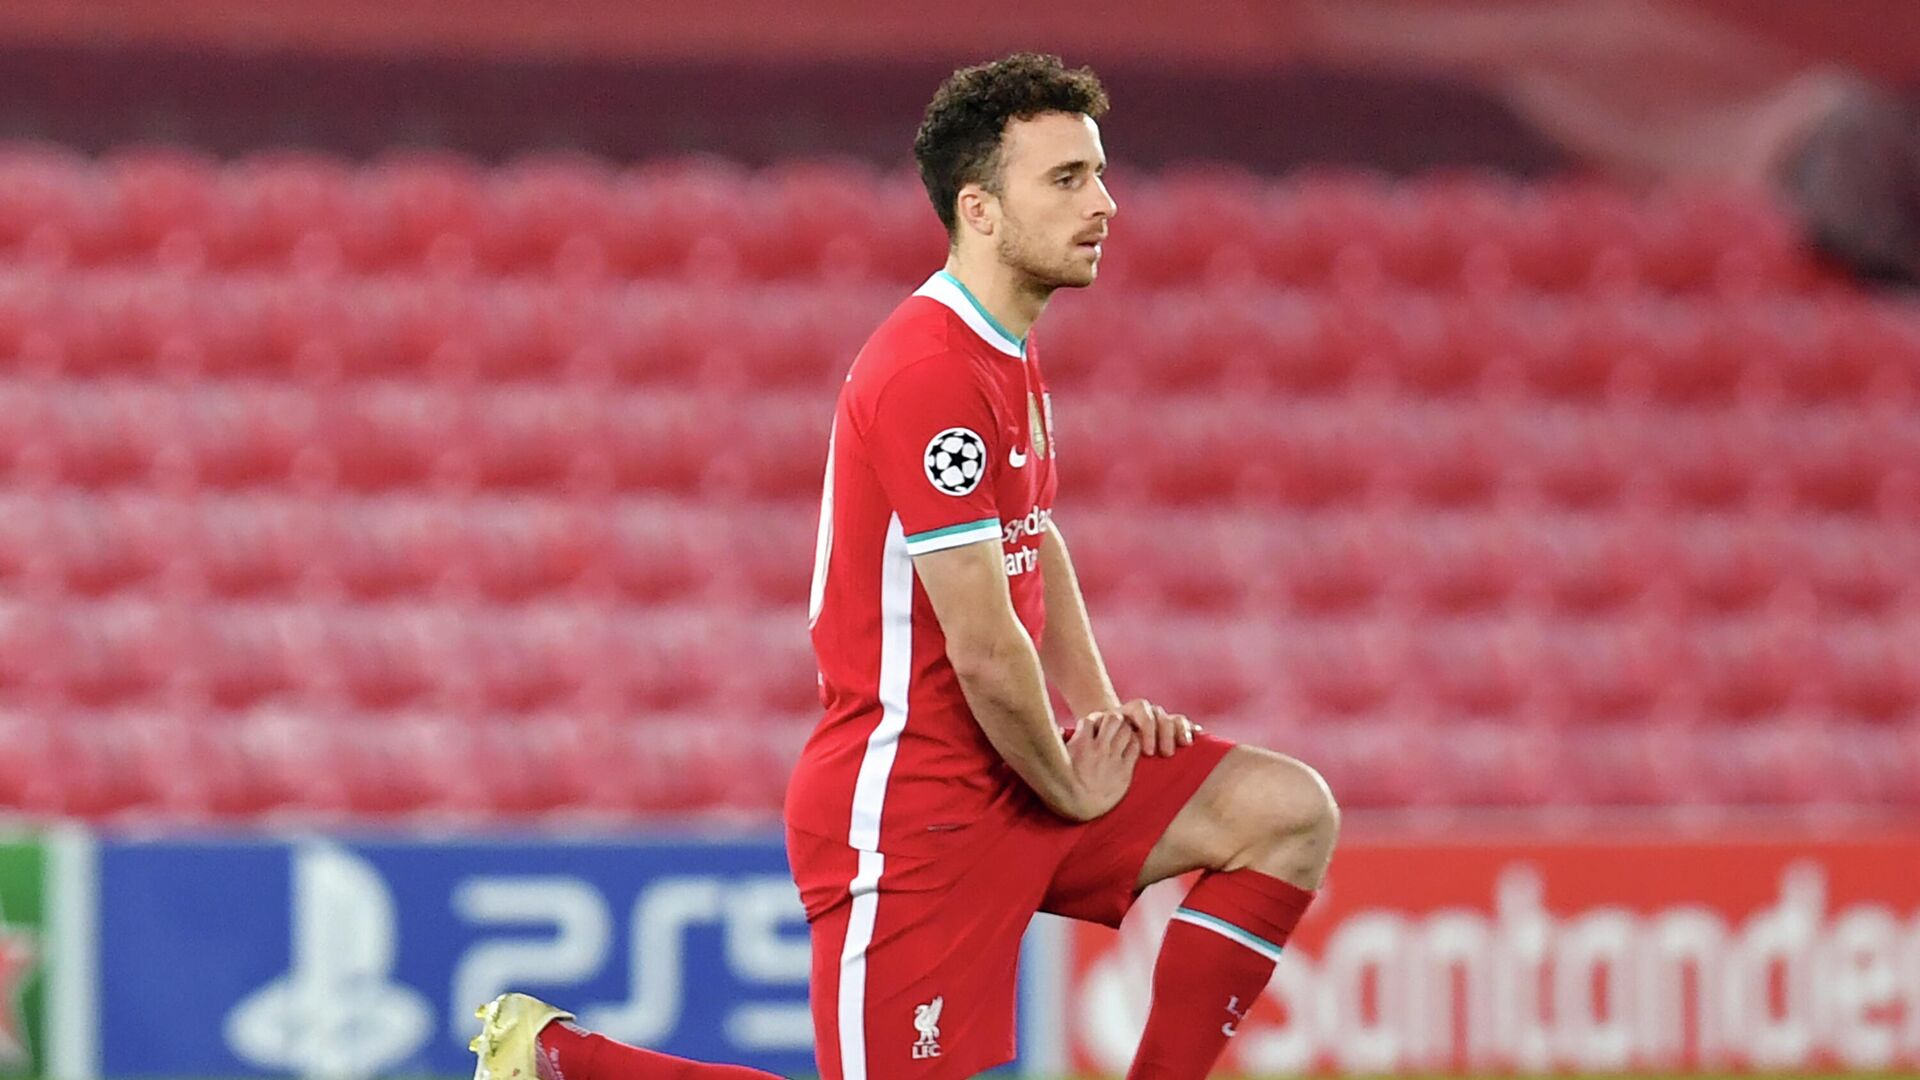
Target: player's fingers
(1146,716)
(1168,732)
(1095,722)
(1125,721)
(1162,729)
(1186,728)
(1144,728)
(1098,727)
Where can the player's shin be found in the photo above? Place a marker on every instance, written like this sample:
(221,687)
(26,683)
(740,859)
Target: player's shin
(1219,953)
(574,1053)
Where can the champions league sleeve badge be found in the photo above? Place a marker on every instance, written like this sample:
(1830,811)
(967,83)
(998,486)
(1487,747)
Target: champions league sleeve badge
(956,459)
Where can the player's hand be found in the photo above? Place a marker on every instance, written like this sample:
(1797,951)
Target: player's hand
(1102,751)
(1159,731)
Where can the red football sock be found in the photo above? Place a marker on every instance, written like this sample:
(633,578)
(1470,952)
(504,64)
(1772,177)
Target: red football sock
(1217,957)
(571,1052)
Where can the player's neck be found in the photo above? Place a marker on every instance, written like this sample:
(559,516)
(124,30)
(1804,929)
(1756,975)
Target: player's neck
(1007,294)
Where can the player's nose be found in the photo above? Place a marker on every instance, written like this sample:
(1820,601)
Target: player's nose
(1104,204)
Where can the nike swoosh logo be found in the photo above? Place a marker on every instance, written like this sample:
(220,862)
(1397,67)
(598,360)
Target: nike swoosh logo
(1016,459)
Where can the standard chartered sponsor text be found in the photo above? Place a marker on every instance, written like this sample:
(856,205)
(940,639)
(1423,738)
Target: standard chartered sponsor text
(1026,559)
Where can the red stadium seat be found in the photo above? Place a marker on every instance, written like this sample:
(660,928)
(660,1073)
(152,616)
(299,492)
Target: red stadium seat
(1590,571)
(1749,670)
(658,550)
(395,764)
(1494,764)
(533,763)
(166,200)
(665,443)
(54,207)
(547,213)
(523,439)
(246,657)
(383,660)
(384,549)
(656,660)
(114,653)
(525,662)
(102,762)
(1195,665)
(1372,761)
(767,550)
(1470,670)
(284,210)
(1633,763)
(27,768)
(1860,571)
(27,642)
(1612,674)
(265,762)
(679,219)
(414,210)
(1839,468)
(1303,460)
(1345,668)
(26,542)
(247,437)
(107,546)
(1735,569)
(1568,458)
(247,546)
(1332,566)
(515,549)
(109,435)
(1866,672)
(383,437)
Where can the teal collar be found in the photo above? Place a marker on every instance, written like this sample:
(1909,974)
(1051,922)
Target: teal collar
(949,291)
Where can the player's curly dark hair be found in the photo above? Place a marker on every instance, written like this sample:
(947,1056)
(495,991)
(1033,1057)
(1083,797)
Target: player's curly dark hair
(959,140)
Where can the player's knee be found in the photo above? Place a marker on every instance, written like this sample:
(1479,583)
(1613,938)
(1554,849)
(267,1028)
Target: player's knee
(1310,809)
(1287,803)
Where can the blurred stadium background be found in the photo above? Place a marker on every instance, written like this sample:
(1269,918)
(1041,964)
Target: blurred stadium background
(411,424)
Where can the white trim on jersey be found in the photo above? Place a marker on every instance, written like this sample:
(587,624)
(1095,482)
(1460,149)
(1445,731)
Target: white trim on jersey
(853,965)
(896,671)
(823,540)
(953,536)
(947,289)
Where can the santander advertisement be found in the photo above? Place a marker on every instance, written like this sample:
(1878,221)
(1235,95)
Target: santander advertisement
(1637,953)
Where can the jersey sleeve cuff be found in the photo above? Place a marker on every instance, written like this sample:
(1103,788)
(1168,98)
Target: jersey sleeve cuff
(953,536)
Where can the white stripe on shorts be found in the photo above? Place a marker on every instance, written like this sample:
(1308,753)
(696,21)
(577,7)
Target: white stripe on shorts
(853,966)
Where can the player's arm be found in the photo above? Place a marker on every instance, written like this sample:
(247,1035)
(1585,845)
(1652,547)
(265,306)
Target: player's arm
(1067,650)
(935,444)
(1073,662)
(999,671)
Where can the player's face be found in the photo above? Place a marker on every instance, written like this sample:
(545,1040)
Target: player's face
(1054,207)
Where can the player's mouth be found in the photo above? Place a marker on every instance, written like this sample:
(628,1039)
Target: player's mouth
(1089,243)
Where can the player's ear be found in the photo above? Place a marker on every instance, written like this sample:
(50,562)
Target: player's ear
(976,210)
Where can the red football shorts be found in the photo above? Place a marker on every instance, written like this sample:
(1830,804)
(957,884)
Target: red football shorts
(914,956)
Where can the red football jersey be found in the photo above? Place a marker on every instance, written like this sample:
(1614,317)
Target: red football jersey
(943,436)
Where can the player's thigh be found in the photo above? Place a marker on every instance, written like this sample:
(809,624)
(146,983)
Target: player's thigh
(1251,798)
(1100,876)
